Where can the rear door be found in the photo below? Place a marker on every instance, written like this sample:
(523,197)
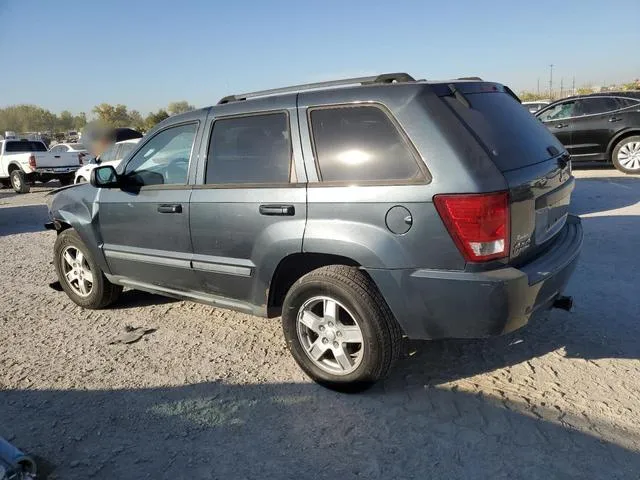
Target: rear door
(593,126)
(535,165)
(248,209)
(145,225)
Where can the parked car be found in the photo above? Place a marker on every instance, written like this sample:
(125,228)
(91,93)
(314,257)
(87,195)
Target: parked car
(73,147)
(599,127)
(23,162)
(534,106)
(360,215)
(112,156)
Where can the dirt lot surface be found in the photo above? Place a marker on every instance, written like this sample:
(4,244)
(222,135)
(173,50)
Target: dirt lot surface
(214,394)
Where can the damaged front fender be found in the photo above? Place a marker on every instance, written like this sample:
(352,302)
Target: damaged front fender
(77,207)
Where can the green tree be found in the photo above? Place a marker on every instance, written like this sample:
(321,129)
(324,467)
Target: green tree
(531,96)
(585,90)
(116,116)
(79,121)
(65,121)
(137,122)
(155,118)
(183,106)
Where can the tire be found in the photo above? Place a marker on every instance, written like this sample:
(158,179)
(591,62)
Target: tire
(66,180)
(19,181)
(81,179)
(102,292)
(626,155)
(354,293)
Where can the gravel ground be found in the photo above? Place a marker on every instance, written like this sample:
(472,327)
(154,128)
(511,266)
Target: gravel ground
(214,394)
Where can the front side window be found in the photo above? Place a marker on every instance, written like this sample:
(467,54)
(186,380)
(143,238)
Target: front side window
(250,149)
(558,112)
(109,154)
(164,159)
(360,144)
(125,149)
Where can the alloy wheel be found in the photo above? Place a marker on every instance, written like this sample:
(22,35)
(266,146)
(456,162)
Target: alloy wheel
(77,271)
(629,156)
(330,335)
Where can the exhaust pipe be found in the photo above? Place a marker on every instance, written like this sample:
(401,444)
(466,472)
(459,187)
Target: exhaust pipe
(563,302)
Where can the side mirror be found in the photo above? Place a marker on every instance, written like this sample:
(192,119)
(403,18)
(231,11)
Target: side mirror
(104,177)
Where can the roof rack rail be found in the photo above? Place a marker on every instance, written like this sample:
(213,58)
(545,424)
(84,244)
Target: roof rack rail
(470,78)
(383,78)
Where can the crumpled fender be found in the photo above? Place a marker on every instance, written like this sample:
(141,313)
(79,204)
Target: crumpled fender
(77,206)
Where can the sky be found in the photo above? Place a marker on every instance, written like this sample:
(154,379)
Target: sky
(75,54)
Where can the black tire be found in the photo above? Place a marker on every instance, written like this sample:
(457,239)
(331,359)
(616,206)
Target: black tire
(103,293)
(66,180)
(615,155)
(381,334)
(19,181)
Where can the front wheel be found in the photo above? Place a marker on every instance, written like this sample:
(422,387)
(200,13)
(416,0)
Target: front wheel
(19,181)
(339,329)
(626,155)
(79,274)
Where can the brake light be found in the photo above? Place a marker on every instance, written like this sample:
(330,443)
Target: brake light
(478,223)
(32,161)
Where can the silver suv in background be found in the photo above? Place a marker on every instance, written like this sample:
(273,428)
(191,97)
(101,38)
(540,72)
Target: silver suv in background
(378,208)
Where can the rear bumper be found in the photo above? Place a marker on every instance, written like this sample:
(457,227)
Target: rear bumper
(52,171)
(431,304)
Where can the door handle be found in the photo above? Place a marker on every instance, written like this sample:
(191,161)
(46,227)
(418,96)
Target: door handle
(615,119)
(561,125)
(170,208)
(284,210)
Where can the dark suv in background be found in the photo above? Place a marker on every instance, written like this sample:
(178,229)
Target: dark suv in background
(379,208)
(599,127)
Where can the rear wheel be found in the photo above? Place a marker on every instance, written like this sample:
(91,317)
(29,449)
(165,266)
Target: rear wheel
(79,274)
(626,155)
(19,181)
(339,328)
(66,180)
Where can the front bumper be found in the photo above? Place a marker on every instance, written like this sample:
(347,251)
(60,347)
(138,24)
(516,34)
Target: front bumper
(431,304)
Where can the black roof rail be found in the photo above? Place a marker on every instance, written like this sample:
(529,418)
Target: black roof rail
(383,78)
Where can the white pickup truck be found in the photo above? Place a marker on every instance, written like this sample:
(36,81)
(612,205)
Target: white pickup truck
(23,162)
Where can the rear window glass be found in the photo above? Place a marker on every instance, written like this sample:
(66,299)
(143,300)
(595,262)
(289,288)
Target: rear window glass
(77,146)
(25,146)
(513,136)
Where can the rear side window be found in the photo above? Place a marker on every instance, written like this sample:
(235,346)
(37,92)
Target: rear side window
(250,149)
(513,136)
(360,144)
(594,106)
(627,102)
(24,146)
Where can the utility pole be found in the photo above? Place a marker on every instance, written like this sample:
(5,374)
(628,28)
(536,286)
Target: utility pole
(538,86)
(551,81)
(561,86)
(573,86)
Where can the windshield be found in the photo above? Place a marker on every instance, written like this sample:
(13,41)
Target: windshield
(23,146)
(514,137)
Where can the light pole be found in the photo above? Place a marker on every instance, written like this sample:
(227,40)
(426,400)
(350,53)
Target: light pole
(551,81)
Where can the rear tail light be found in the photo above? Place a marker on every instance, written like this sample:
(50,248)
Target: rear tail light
(32,161)
(478,223)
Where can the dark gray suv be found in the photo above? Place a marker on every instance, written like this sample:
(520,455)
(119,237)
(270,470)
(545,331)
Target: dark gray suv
(362,211)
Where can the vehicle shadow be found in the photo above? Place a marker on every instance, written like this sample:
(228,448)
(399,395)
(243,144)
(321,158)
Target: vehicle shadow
(300,431)
(599,194)
(22,219)
(138,298)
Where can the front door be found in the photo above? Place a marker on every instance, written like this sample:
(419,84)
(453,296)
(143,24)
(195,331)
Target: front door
(248,208)
(145,224)
(560,120)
